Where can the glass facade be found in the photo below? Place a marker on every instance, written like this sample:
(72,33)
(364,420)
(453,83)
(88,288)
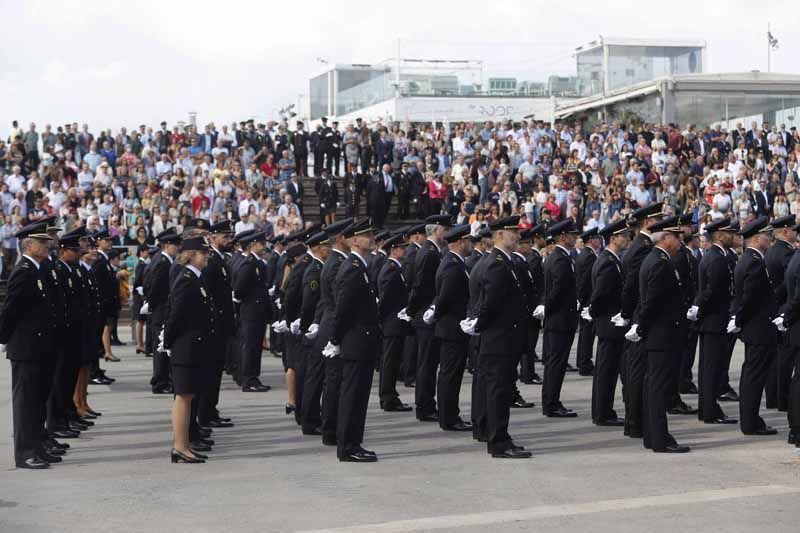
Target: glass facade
(590,72)
(726,109)
(319,94)
(366,93)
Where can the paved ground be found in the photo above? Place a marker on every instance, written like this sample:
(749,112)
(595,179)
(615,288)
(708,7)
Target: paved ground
(265,475)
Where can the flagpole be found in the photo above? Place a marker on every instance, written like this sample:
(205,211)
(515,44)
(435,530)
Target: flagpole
(769,49)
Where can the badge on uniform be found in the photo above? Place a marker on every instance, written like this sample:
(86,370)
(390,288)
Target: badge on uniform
(55,277)
(39,284)
(109,268)
(224,274)
(69,282)
(203,292)
(79,273)
(312,285)
(366,279)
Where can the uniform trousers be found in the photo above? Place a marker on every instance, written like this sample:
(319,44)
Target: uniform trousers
(497,373)
(330,397)
(583,357)
(604,382)
(353,400)
(528,361)
(297,355)
(251,338)
(478,405)
(409,369)
(635,368)
(65,375)
(427,363)
(725,383)
(784,363)
(687,361)
(757,360)
(28,381)
(208,399)
(311,410)
(390,370)
(662,371)
(161,364)
(713,354)
(558,346)
(793,415)
(452,362)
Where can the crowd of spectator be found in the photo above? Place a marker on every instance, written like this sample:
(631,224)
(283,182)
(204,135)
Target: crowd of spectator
(141,182)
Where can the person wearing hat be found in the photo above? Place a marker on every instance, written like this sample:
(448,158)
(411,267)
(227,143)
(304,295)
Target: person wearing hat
(28,336)
(395,325)
(777,259)
(416,238)
(789,320)
(689,260)
(300,148)
(710,311)
(109,289)
(753,309)
(478,247)
(519,264)
(377,258)
(139,320)
(250,289)
(295,351)
(328,197)
(537,235)
(216,280)
(327,138)
(447,312)
(188,338)
(604,302)
(660,320)
(310,411)
(496,318)
(354,341)
(583,279)
(635,358)
(532,298)
(726,391)
(560,314)
(420,298)
(156,294)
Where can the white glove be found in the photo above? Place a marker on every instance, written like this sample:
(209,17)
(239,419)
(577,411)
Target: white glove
(732,327)
(779,323)
(427,316)
(278,304)
(402,315)
(538,313)
(578,305)
(2,348)
(145,310)
(691,314)
(322,206)
(312,332)
(140,291)
(294,327)
(585,314)
(633,334)
(271,291)
(280,327)
(160,346)
(330,350)
(618,321)
(468,325)
(234,298)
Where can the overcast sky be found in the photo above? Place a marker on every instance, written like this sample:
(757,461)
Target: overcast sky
(124,63)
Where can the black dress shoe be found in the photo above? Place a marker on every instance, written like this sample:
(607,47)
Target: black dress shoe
(289,408)
(609,423)
(77,426)
(681,408)
(512,453)
(329,440)
(33,463)
(63,445)
(722,420)
(586,372)
(66,434)
(203,432)
(398,406)
(256,387)
(561,413)
(52,450)
(178,457)
(672,448)
(409,384)
(761,432)
(223,419)
(312,431)
(633,433)
(368,452)
(99,381)
(793,438)
(218,424)
(688,388)
(95,413)
(520,403)
(533,380)
(571,368)
(115,342)
(50,458)
(199,446)
(729,396)
(358,457)
(458,426)
(433,417)
(165,389)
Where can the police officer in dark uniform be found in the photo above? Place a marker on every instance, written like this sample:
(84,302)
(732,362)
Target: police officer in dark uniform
(710,311)
(143,252)
(353,340)
(156,293)
(109,289)
(249,287)
(392,298)
(536,268)
(416,237)
(27,333)
(300,148)
(295,351)
(420,299)
(777,259)
(326,142)
(753,309)
(605,302)
(477,249)
(635,357)
(449,309)
(791,315)
(335,154)
(497,321)
(216,280)
(726,392)
(315,141)
(560,316)
(661,319)
(377,258)
(583,283)
(519,264)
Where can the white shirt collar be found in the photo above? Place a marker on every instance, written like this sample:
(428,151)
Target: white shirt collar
(724,252)
(194,270)
(218,253)
(614,254)
(436,245)
(339,252)
(66,265)
(756,250)
(314,257)
(457,255)
(565,250)
(362,259)
(519,255)
(663,250)
(32,260)
(503,252)
(396,262)
(101,252)
(85,265)
(169,257)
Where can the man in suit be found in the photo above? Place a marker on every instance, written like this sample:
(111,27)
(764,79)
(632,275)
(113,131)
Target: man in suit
(536,267)
(710,311)
(354,340)
(383,149)
(561,308)
(583,281)
(300,141)
(449,309)
(790,313)
(420,299)
(478,248)
(326,142)
(377,258)
(335,153)
(777,259)
(519,265)
(605,302)
(416,238)
(295,189)
(108,286)
(315,141)
(497,321)
(752,310)
(28,335)
(661,319)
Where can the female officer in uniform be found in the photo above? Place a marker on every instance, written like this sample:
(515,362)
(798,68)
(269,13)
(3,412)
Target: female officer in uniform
(187,334)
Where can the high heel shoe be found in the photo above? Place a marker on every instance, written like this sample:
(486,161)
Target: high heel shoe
(111,358)
(290,408)
(199,455)
(178,457)
(93,412)
(138,350)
